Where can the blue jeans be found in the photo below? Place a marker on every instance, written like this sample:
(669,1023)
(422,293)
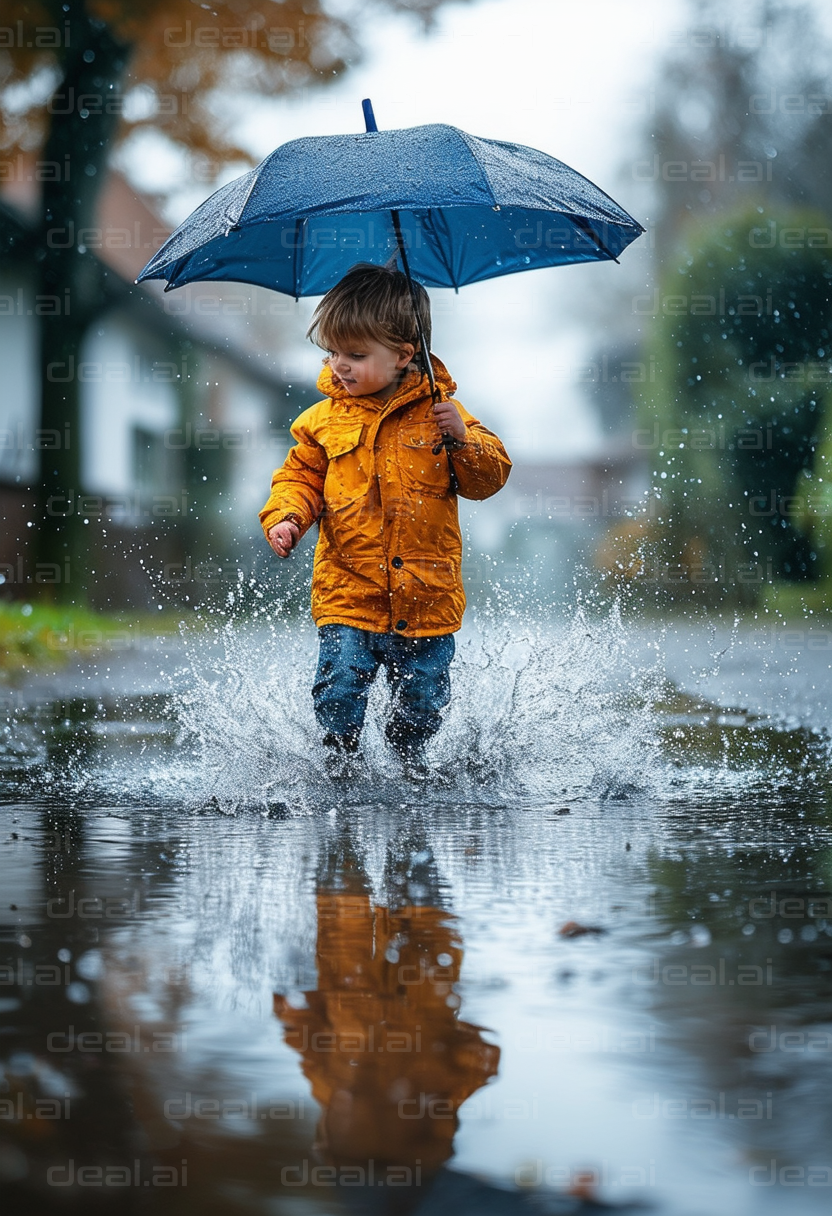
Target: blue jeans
(417,672)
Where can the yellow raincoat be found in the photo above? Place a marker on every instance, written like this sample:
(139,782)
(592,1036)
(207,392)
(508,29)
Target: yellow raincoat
(390,550)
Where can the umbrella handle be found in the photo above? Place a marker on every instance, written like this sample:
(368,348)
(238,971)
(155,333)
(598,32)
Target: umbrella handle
(447,439)
(448,442)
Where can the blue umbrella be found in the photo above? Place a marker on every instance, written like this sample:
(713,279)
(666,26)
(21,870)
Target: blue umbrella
(457,209)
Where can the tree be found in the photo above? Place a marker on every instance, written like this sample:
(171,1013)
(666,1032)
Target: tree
(735,417)
(740,157)
(742,109)
(78,79)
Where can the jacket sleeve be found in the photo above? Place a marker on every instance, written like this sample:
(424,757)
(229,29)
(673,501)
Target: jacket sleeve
(298,486)
(482,466)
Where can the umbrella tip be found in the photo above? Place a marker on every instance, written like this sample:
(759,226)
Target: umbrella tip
(369,116)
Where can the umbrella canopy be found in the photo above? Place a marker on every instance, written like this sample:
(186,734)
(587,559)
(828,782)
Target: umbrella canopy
(468,209)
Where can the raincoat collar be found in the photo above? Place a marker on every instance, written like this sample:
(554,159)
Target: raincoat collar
(413,386)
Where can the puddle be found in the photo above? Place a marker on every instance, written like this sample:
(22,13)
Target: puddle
(594,963)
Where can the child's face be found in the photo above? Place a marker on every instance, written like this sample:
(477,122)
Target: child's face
(369,367)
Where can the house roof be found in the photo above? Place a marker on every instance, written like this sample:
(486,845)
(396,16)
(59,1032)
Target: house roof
(125,233)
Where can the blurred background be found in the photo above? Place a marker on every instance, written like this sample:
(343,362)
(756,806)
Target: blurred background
(619,805)
(668,416)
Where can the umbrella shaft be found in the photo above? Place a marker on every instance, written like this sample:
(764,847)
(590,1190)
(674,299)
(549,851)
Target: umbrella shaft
(423,345)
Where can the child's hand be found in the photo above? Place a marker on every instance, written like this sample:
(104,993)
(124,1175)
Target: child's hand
(283,537)
(449,419)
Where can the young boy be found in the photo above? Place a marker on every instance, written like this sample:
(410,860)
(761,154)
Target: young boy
(386,588)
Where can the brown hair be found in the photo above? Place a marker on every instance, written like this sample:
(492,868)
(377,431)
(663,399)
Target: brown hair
(370,302)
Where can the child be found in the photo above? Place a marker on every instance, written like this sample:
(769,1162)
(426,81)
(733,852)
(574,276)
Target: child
(387,587)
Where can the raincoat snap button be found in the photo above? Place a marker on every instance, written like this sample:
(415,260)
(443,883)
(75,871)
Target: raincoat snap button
(401,624)
(397,563)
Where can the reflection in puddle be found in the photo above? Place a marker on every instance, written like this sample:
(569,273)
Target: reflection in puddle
(388,1060)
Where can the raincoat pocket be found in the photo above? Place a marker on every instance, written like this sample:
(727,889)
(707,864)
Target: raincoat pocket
(347,474)
(421,470)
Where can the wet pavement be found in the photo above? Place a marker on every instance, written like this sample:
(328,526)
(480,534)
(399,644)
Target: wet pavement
(590,963)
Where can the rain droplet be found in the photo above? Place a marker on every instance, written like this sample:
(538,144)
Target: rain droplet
(90,966)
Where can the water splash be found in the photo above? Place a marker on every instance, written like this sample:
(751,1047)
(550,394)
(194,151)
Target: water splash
(544,711)
(537,714)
